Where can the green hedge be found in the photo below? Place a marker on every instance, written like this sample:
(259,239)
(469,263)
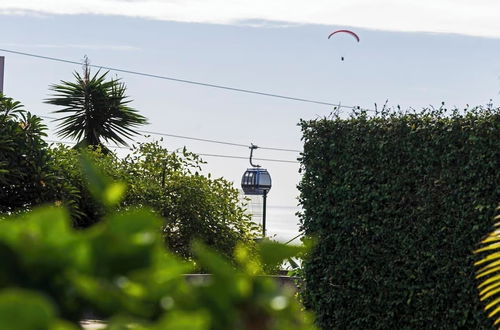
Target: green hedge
(397,203)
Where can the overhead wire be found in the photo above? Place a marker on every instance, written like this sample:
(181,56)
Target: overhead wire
(337,106)
(291,240)
(200,154)
(198,139)
(186,81)
(194,138)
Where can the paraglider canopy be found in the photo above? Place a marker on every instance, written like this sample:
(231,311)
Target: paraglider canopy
(345,31)
(349,32)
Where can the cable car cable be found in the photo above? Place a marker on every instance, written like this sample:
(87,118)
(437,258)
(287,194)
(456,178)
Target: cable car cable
(200,154)
(234,89)
(198,139)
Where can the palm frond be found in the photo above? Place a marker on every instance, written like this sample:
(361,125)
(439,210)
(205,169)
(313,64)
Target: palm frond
(489,272)
(95,109)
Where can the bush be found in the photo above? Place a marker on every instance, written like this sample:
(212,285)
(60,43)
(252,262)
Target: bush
(51,276)
(397,203)
(26,178)
(193,206)
(65,164)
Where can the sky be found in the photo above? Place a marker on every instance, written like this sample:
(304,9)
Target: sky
(411,53)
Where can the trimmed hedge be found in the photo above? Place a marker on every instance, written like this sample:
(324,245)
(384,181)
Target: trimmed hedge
(398,202)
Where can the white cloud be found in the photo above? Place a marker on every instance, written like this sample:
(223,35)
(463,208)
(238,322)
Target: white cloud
(468,17)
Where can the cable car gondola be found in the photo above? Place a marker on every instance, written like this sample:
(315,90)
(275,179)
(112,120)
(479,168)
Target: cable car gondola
(257,181)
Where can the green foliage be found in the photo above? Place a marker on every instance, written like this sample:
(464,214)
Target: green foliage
(26,178)
(52,275)
(64,162)
(101,188)
(489,271)
(397,203)
(95,109)
(16,305)
(193,206)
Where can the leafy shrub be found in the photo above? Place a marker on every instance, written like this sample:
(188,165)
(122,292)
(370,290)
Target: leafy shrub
(26,178)
(397,203)
(120,270)
(65,164)
(193,206)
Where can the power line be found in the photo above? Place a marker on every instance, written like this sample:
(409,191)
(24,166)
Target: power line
(234,89)
(71,142)
(289,241)
(199,139)
(207,155)
(279,149)
(246,158)
(215,141)
(193,138)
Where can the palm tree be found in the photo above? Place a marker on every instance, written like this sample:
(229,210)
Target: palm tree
(94,109)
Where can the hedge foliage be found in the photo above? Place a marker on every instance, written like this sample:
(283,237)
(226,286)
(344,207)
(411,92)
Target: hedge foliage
(398,202)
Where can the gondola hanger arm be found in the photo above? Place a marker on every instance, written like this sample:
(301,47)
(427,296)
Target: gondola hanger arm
(252,147)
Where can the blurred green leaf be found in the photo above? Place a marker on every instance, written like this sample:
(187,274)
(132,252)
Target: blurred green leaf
(25,310)
(212,261)
(183,321)
(125,242)
(114,193)
(273,253)
(101,187)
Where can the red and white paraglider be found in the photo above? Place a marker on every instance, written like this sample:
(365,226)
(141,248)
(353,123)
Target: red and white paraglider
(345,31)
